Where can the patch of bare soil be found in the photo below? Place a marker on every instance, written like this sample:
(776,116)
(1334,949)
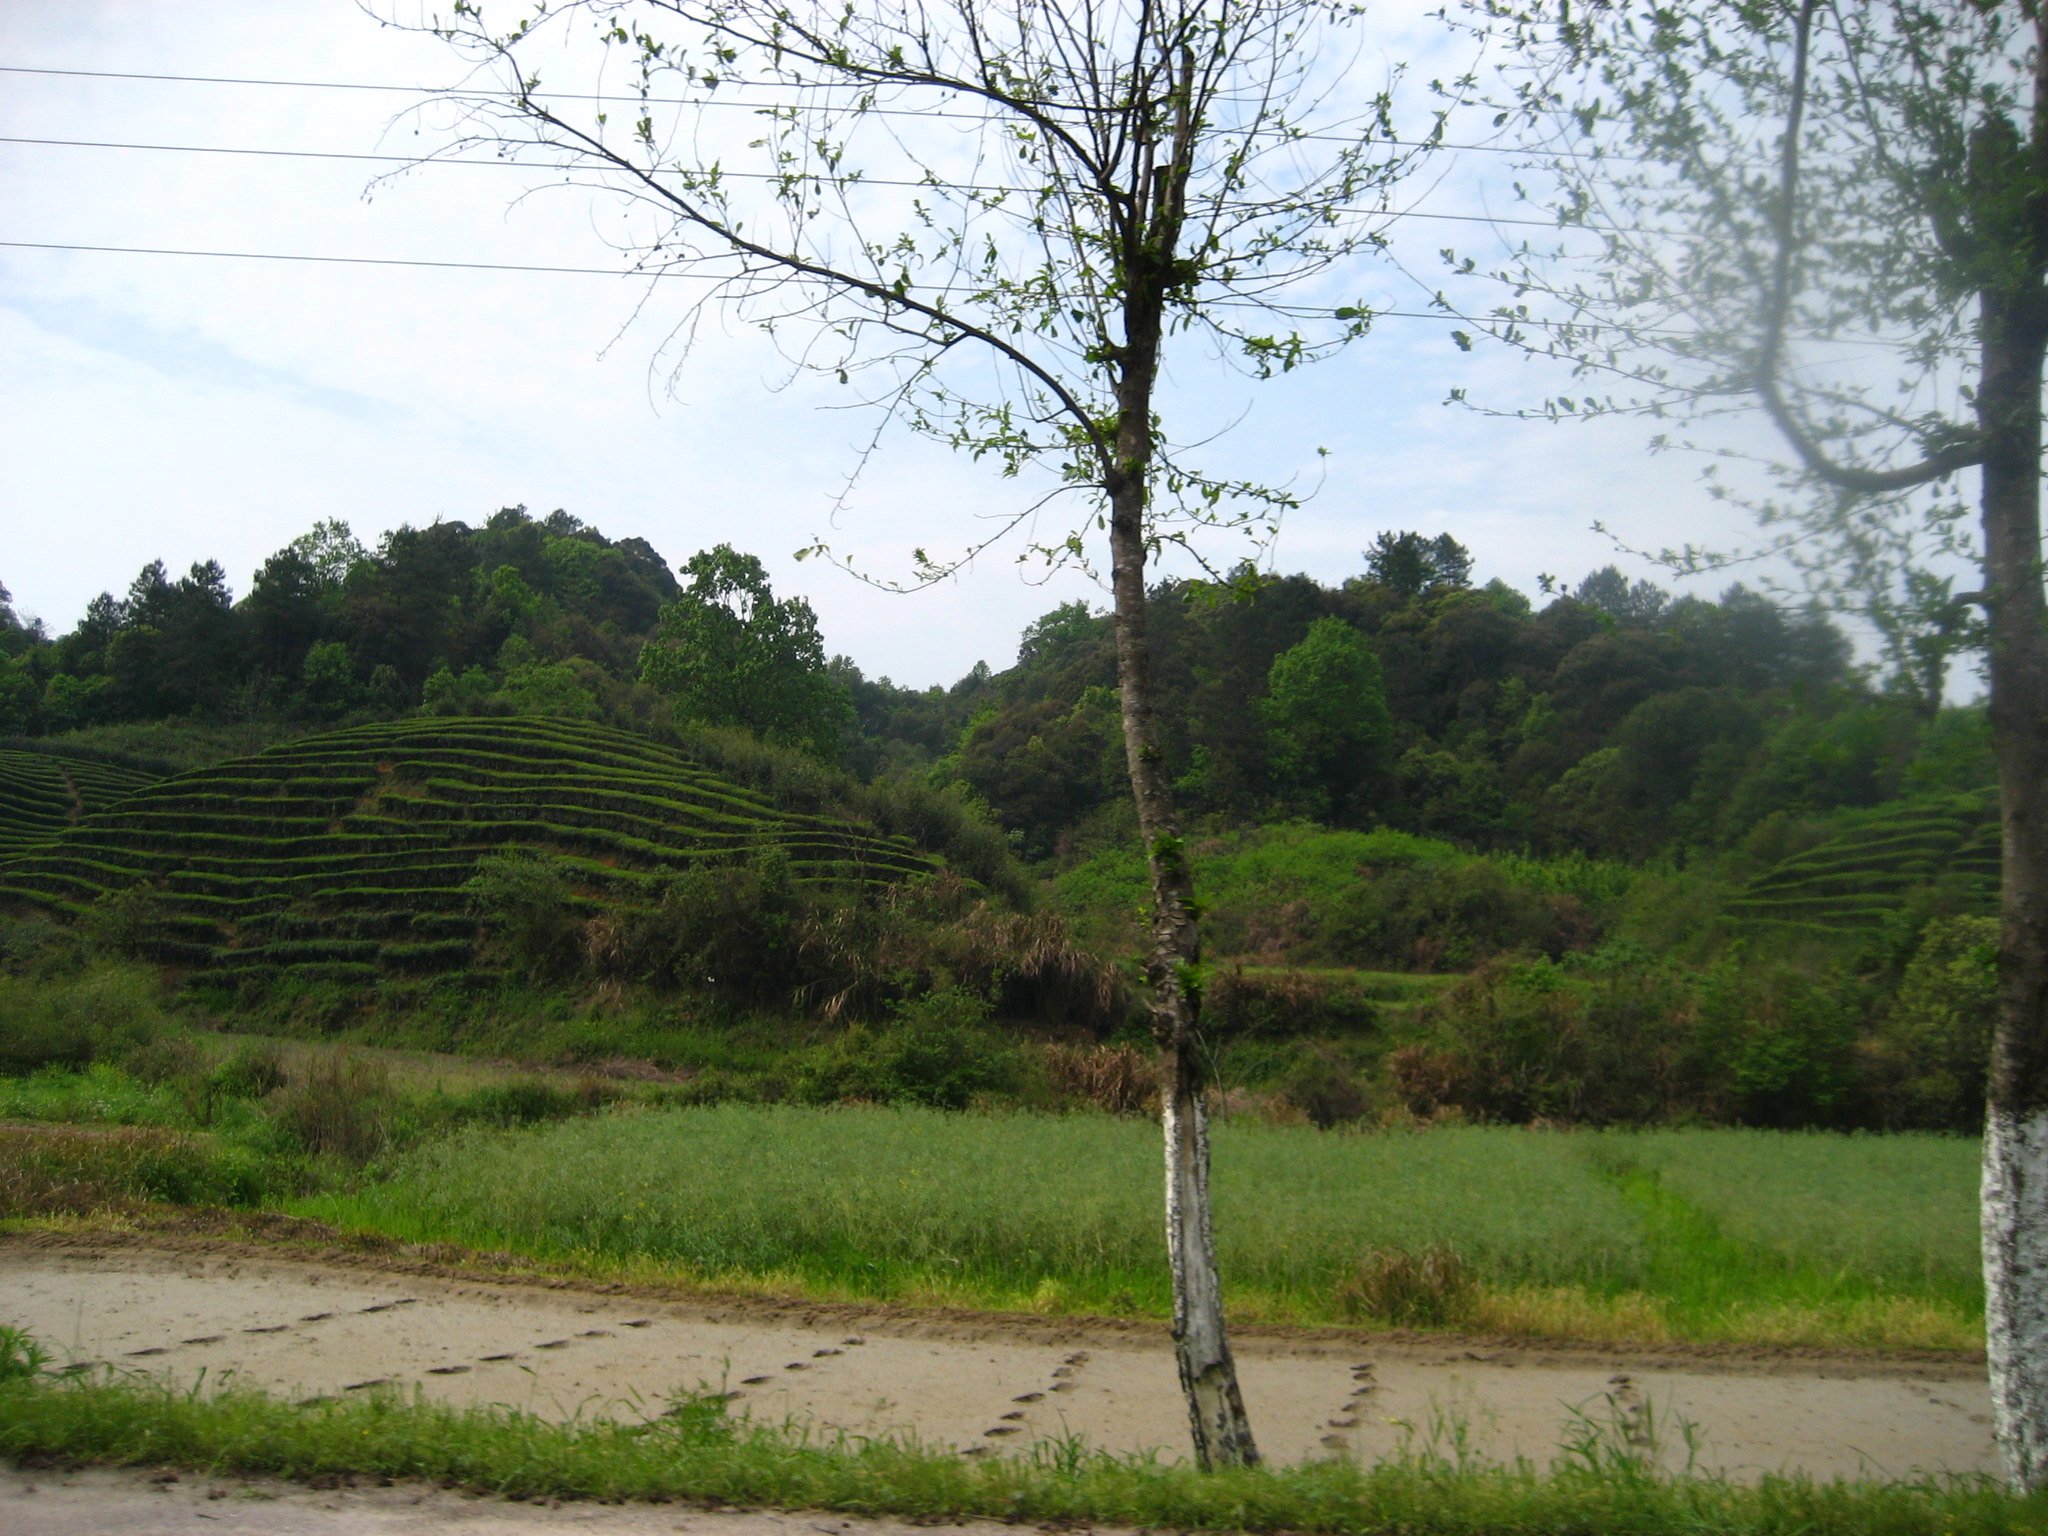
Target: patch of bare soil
(330,1319)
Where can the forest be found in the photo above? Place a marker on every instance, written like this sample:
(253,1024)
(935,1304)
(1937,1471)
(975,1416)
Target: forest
(1612,719)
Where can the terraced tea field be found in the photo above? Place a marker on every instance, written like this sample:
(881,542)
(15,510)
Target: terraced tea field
(41,794)
(1862,876)
(343,857)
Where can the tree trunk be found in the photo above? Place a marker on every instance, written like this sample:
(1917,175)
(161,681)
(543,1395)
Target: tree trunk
(1149,236)
(1208,1375)
(2015,1186)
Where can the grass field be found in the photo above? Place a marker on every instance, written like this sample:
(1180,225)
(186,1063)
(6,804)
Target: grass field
(1706,1235)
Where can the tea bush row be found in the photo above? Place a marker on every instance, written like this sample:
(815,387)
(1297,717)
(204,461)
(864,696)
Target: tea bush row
(223,871)
(40,794)
(1865,875)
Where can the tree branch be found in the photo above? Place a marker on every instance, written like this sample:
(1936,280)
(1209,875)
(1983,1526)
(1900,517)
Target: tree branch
(886,296)
(1966,450)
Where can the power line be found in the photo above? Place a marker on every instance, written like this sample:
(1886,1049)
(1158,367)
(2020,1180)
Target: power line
(1442,316)
(499,162)
(473,266)
(339,261)
(458,92)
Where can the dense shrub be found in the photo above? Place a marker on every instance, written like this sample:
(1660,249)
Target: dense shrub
(1326,1088)
(938,1052)
(1926,1061)
(860,959)
(171,1059)
(728,928)
(125,921)
(1283,1004)
(1626,1039)
(1445,917)
(945,820)
(255,1070)
(525,902)
(1790,1046)
(102,1012)
(341,1106)
(35,946)
(1118,1079)
(531,1101)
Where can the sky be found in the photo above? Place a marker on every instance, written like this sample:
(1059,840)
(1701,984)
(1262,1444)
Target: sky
(187,407)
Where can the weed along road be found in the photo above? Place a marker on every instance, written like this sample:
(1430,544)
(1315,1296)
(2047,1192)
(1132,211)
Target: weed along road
(986,1384)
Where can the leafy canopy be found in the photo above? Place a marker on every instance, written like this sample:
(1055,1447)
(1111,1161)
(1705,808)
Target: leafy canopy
(1327,723)
(731,653)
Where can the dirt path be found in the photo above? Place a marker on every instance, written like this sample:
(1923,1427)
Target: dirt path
(985,1384)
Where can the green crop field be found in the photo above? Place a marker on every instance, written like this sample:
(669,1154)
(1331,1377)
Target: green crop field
(1654,1234)
(1864,874)
(344,856)
(41,794)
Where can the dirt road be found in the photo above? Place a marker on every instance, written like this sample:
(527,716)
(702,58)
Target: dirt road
(985,1385)
(101,1503)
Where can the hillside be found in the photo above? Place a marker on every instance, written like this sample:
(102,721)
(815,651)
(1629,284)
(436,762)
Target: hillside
(41,794)
(344,856)
(1865,873)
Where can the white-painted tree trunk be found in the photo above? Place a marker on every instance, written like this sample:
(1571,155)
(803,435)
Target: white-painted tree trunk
(1208,1375)
(2015,1219)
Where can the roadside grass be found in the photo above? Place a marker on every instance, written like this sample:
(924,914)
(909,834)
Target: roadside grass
(1602,1484)
(1619,1236)
(98,1094)
(47,1170)
(243,1123)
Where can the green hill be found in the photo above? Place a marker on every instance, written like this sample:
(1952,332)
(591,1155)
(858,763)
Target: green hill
(41,794)
(343,856)
(1864,874)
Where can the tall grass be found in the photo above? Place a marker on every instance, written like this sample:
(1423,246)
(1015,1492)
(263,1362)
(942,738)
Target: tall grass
(1063,1212)
(1899,1208)
(48,1170)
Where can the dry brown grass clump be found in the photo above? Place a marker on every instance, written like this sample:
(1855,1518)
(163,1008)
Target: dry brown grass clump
(1430,1289)
(856,961)
(1121,1079)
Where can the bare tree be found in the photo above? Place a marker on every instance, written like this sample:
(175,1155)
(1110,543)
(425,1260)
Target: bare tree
(1837,215)
(991,220)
